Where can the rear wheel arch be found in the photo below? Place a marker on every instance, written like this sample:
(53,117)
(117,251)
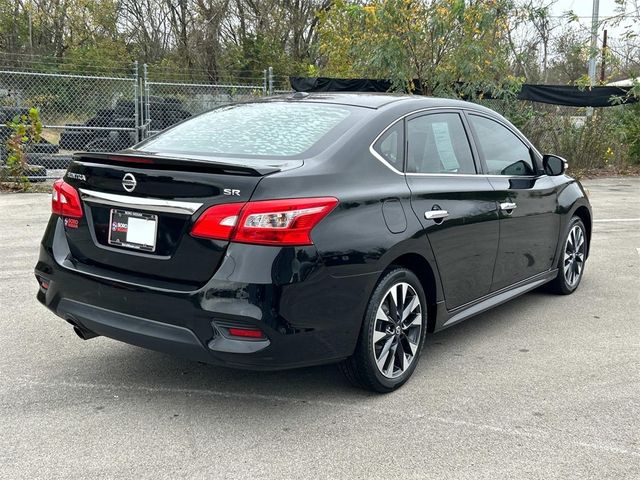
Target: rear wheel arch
(417,264)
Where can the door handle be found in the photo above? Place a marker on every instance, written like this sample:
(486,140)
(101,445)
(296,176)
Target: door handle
(508,207)
(436,214)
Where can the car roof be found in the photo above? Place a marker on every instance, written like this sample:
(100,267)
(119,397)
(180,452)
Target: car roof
(374,100)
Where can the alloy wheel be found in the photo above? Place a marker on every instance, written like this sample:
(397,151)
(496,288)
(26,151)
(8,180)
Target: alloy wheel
(574,251)
(398,329)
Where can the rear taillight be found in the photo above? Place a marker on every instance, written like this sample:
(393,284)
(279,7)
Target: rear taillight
(267,222)
(218,222)
(65,200)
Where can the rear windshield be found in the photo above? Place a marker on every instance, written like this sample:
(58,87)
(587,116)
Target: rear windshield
(283,129)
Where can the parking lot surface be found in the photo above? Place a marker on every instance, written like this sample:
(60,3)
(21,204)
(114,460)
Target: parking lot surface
(541,387)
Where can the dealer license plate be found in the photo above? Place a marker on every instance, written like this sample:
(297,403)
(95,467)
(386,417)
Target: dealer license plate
(133,230)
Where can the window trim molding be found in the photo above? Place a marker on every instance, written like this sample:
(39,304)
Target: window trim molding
(380,156)
(465,111)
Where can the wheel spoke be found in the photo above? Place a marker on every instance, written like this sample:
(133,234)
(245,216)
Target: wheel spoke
(415,303)
(570,242)
(393,304)
(416,321)
(382,360)
(384,354)
(383,316)
(413,346)
(378,335)
(386,347)
(406,359)
(573,274)
(392,361)
(579,238)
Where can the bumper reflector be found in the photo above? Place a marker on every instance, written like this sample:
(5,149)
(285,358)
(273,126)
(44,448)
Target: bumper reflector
(245,332)
(44,283)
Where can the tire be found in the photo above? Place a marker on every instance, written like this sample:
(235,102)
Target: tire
(39,159)
(36,173)
(105,112)
(75,139)
(122,139)
(59,162)
(103,121)
(124,122)
(43,147)
(569,277)
(125,108)
(171,118)
(103,144)
(176,102)
(392,334)
(159,110)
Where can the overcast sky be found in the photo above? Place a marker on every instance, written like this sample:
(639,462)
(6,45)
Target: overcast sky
(584,8)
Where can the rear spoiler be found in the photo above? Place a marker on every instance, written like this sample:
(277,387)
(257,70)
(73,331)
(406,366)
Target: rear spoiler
(164,162)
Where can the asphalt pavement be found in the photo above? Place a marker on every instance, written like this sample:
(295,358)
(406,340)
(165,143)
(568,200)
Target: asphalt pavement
(542,387)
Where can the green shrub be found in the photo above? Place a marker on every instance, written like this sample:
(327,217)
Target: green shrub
(588,143)
(627,125)
(25,129)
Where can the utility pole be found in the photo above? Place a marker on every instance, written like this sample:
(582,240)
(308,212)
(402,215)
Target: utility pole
(603,63)
(593,53)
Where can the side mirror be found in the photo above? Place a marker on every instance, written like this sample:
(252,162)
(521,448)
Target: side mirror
(554,165)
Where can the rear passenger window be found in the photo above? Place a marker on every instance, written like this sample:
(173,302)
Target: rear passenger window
(503,152)
(390,146)
(438,143)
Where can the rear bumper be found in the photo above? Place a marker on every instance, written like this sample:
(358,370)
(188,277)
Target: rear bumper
(310,318)
(134,330)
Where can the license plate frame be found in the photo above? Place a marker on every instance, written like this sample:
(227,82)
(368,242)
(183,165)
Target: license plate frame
(134,230)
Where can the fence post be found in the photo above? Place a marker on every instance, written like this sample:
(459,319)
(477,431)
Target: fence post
(270,80)
(147,110)
(264,83)
(136,97)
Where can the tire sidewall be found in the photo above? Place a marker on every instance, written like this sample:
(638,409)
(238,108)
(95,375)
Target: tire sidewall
(396,275)
(564,285)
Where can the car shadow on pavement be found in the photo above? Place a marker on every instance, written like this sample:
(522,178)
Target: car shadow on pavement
(139,370)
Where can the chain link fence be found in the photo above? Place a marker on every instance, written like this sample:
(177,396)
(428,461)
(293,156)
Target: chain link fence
(105,112)
(78,112)
(167,103)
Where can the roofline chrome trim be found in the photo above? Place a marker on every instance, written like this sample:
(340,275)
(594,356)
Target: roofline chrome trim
(153,204)
(382,160)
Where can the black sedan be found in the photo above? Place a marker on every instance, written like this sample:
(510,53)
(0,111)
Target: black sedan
(311,229)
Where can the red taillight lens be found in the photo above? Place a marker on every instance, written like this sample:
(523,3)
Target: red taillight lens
(65,200)
(218,222)
(268,222)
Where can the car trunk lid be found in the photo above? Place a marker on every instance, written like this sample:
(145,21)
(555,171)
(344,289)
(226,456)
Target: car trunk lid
(160,196)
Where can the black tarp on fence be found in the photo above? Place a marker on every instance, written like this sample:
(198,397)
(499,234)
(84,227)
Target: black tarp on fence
(566,95)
